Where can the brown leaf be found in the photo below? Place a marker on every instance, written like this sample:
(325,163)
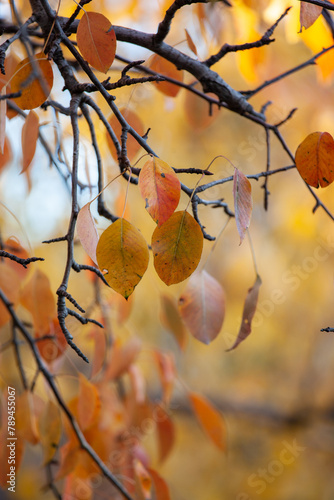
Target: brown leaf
(190,43)
(242,194)
(248,313)
(308,14)
(29,139)
(166,432)
(202,306)
(314,159)
(160,486)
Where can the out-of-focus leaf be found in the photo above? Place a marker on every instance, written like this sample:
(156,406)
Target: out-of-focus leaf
(166,433)
(137,383)
(29,407)
(160,486)
(6,156)
(133,120)
(242,194)
(248,313)
(13,246)
(96,41)
(177,248)
(198,111)
(167,370)
(121,358)
(190,43)
(87,232)
(166,68)
(160,188)
(29,139)
(51,348)
(89,404)
(100,348)
(315,159)
(171,319)
(50,429)
(10,285)
(210,419)
(38,299)
(123,252)
(308,14)
(35,86)
(143,480)
(202,306)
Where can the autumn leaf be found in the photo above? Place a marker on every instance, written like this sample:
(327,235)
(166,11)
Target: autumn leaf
(248,313)
(88,403)
(35,86)
(177,248)
(29,137)
(38,299)
(160,188)
(29,407)
(202,306)
(210,419)
(122,356)
(166,433)
(96,41)
(87,231)
(167,371)
(51,348)
(315,159)
(160,486)
(171,319)
(242,202)
(123,252)
(166,68)
(6,156)
(198,111)
(50,430)
(13,246)
(308,14)
(190,43)
(143,479)
(132,145)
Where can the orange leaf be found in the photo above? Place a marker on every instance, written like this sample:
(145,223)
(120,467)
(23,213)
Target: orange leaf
(160,188)
(190,43)
(143,479)
(100,348)
(167,370)
(123,252)
(122,356)
(29,139)
(202,306)
(308,14)
(29,407)
(89,404)
(198,111)
(50,429)
(96,41)
(314,159)
(35,87)
(177,248)
(38,299)
(134,122)
(87,232)
(242,194)
(166,433)
(248,313)
(166,68)
(51,348)
(160,486)
(10,285)
(170,318)
(210,419)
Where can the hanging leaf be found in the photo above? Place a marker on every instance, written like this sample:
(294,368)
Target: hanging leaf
(10,285)
(133,120)
(248,313)
(50,430)
(122,356)
(170,318)
(315,159)
(35,86)
(51,348)
(160,188)
(167,372)
(143,480)
(166,433)
(38,299)
(89,403)
(190,43)
(123,252)
(166,68)
(210,419)
(96,40)
(308,14)
(87,232)
(202,306)
(177,248)
(160,486)
(242,202)
(29,137)
(198,111)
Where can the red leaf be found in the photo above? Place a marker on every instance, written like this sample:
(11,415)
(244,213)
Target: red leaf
(160,188)
(248,313)
(314,159)
(210,419)
(96,41)
(242,202)
(202,306)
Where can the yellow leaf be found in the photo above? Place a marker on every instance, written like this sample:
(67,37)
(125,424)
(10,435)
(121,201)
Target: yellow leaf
(123,253)
(210,419)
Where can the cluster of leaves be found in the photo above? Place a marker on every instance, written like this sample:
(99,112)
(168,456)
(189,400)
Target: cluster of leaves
(115,391)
